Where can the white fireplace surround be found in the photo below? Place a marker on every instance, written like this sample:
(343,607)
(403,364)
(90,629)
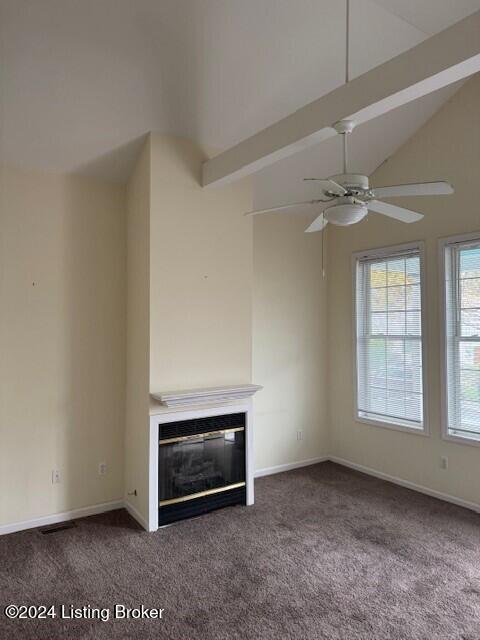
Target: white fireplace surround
(199,403)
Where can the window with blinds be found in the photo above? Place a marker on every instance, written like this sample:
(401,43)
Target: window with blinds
(462,338)
(389,345)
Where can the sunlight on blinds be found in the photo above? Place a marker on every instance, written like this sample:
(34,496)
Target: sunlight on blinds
(389,340)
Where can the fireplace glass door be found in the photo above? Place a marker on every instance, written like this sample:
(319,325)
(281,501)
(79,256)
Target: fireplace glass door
(201,464)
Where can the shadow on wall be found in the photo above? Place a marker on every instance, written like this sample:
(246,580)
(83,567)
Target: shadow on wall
(116,164)
(94,355)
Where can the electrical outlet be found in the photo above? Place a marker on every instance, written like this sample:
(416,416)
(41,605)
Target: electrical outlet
(102,468)
(299,435)
(444,462)
(56,476)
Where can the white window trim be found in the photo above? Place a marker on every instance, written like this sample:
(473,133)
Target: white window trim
(442,244)
(384,252)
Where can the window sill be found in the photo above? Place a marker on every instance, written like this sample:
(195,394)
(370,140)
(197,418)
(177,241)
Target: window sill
(469,442)
(393,426)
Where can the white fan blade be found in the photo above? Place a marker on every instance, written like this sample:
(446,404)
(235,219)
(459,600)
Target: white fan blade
(317,225)
(329,185)
(392,211)
(283,207)
(417,189)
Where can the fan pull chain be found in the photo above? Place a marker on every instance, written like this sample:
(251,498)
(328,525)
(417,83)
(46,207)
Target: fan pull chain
(323,251)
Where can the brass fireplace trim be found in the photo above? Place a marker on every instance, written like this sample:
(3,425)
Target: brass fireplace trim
(201,494)
(196,436)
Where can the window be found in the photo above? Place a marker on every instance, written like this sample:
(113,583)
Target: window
(389,345)
(461,259)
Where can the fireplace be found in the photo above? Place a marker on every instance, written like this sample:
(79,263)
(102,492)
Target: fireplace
(200,452)
(201,465)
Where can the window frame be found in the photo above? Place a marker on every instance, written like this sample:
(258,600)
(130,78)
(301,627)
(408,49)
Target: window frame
(443,244)
(381,253)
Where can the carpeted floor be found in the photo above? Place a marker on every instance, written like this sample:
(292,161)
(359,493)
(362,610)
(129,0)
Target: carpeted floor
(324,553)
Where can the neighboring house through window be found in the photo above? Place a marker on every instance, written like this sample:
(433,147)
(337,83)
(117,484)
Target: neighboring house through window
(389,337)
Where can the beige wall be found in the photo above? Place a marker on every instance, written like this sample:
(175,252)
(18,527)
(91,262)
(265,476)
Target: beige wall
(200,275)
(290,350)
(62,332)
(138,334)
(447,147)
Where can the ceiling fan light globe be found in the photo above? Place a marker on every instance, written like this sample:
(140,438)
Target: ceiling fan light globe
(343,215)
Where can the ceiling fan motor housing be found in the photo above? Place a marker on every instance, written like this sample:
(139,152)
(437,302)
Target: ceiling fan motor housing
(351,181)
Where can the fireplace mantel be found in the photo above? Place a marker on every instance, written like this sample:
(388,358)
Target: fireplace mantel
(208,395)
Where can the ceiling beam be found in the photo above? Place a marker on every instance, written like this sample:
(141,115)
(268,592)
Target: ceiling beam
(451,55)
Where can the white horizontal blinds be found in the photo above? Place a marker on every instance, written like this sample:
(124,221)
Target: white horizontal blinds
(462,262)
(389,339)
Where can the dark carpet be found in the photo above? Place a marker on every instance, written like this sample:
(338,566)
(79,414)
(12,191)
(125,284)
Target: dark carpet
(324,553)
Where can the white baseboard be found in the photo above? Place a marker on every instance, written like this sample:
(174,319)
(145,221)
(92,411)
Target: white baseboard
(372,472)
(61,517)
(136,515)
(268,471)
(118,504)
(407,484)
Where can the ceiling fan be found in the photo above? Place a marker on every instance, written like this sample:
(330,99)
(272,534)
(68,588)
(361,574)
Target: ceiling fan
(347,197)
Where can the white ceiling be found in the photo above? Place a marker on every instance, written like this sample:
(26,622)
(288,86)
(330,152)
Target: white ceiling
(430,16)
(84,80)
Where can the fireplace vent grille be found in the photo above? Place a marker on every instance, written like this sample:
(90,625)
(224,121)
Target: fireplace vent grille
(201,425)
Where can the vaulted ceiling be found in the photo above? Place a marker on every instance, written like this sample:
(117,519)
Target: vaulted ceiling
(82,82)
